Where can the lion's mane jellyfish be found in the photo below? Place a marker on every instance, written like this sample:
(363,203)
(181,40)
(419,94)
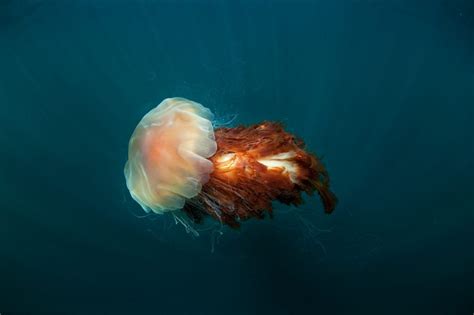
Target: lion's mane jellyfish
(178,163)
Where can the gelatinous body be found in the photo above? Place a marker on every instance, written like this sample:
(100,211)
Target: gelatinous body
(178,162)
(168,155)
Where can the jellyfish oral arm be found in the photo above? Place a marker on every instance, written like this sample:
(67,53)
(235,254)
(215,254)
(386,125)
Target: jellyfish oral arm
(256,165)
(282,161)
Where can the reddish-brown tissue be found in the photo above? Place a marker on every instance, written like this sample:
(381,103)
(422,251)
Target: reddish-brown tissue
(254,166)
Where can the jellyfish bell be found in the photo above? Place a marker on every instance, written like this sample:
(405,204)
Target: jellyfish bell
(168,155)
(178,163)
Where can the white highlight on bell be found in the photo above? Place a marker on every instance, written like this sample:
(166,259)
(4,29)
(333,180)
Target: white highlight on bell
(280,161)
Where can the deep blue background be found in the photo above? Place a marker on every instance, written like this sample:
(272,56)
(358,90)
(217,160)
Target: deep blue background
(383,90)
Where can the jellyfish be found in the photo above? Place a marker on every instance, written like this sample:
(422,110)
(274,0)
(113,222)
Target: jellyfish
(178,163)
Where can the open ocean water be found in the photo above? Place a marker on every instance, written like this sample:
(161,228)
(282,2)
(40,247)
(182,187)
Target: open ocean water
(383,90)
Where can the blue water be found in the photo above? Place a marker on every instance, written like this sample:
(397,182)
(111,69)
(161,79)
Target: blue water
(382,90)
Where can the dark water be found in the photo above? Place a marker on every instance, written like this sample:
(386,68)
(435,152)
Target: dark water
(383,90)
